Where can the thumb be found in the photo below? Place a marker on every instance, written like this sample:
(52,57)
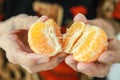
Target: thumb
(80,17)
(42,18)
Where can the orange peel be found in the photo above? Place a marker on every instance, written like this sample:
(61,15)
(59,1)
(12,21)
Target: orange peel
(44,38)
(85,42)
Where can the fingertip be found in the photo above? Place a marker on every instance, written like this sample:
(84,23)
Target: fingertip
(107,57)
(69,59)
(80,17)
(42,18)
(71,62)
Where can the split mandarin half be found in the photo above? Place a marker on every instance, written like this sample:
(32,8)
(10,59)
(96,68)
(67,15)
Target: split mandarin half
(45,38)
(72,35)
(86,42)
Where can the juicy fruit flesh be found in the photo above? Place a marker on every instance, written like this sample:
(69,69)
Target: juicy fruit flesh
(89,45)
(85,42)
(72,35)
(43,38)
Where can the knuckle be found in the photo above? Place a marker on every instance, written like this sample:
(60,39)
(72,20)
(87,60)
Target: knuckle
(101,76)
(54,64)
(31,70)
(51,65)
(113,58)
(10,58)
(28,68)
(91,74)
(81,70)
(49,68)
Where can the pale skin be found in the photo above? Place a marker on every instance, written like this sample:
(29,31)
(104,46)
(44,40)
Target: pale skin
(18,52)
(106,59)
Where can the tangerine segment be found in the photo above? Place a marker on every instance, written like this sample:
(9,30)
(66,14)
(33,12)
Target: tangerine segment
(90,45)
(72,35)
(43,38)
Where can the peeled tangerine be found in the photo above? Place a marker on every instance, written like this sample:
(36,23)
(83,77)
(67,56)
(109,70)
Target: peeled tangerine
(44,38)
(86,42)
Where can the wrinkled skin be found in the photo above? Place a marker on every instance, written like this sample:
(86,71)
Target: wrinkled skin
(14,42)
(106,59)
(18,51)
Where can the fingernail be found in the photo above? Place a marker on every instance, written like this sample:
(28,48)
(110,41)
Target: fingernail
(44,60)
(70,60)
(80,17)
(42,19)
(108,59)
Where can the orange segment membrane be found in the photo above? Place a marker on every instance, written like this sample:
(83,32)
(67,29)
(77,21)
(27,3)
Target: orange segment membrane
(43,38)
(72,35)
(89,45)
(85,42)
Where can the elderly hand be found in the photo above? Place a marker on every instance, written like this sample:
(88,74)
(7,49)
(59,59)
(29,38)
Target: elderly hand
(18,52)
(106,59)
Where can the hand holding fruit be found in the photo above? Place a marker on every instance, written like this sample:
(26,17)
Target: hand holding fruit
(105,59)
(88,45)
(50,55)
(18,51)
(85,42)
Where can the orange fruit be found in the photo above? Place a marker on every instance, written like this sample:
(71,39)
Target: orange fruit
(86,42)
(45,38)
(72,35)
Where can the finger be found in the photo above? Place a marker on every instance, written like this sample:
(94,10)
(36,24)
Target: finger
(80,17)
(71,62)
(30,59)
(107,57)
(59,57)
(20,38)
(92,22)
(42,19)
(87,68)
(40,58)
(20,31)
(101,69)
(26,68)
(25,22)
(112,43)
(38,68)
(34,59)
(29,69)
(22,15)
(92,69)
(53,62)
